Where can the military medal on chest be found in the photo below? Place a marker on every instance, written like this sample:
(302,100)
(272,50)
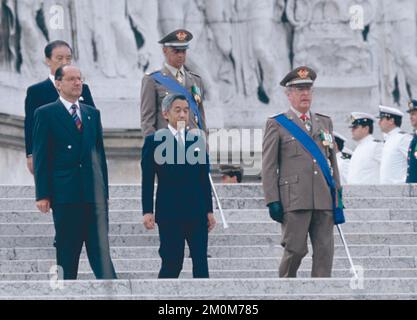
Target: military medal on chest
(196,92)
(326,138)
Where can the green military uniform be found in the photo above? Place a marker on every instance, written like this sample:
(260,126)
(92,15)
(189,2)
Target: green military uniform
(152,93)
(293,178)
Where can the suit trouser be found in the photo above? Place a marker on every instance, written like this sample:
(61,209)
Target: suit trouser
(295,228)
(79,223)
(173,235)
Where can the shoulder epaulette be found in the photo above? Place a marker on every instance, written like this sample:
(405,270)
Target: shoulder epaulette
(323,115)
(194,74)
(275,115)
(150,73)
(346,155)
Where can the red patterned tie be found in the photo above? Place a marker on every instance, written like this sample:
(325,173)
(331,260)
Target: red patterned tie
(304,117)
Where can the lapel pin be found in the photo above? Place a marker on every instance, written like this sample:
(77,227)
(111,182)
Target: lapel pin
(81,98)
(69,147)
(89,118)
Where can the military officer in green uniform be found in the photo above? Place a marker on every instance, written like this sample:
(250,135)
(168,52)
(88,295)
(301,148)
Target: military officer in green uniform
(294,185)
(175,46)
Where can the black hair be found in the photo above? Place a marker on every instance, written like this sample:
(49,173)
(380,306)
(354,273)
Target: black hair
(55,44)
(59,73)
(236,174)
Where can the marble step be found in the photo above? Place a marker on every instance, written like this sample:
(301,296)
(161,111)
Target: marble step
(218,239)
(212,288)
(26,229)
(234,190)
(18,204)
(152,264)
(399,296)
(221,274)
(232,215)
(261,251)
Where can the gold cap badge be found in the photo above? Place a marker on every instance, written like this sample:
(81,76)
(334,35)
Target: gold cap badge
(303,73)
(181,35)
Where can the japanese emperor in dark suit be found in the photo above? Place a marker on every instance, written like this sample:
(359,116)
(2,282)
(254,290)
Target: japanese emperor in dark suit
(183,208)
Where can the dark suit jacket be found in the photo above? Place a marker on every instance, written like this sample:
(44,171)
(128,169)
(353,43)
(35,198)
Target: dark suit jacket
(70,167)
(38,95)
(412,162)
(183,192)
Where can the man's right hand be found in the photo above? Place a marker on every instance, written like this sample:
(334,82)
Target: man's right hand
(149,221)
(43,205)
(275,211)
(29,162)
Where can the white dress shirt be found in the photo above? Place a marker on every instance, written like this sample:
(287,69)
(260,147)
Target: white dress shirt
(52,78)
(176,133)
(365,162)
(68,105)
(394,157)
(174,71)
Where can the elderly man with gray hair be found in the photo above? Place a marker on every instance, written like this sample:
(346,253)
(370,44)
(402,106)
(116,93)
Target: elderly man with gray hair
(183,209)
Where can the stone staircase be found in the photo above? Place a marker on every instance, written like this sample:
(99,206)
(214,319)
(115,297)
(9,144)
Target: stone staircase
(380,230)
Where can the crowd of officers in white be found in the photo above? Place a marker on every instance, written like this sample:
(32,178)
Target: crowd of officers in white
(374,161)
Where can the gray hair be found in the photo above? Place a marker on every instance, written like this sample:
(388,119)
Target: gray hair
(169,100)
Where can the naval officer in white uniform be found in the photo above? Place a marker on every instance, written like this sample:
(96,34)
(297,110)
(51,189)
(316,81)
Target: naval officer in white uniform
(393,168)
(366,158)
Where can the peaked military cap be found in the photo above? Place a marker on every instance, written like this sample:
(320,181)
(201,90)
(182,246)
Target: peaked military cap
(178,39)
(301,76)
(389,112)
(361,119)
(227,169)
(337,135)
(412,106)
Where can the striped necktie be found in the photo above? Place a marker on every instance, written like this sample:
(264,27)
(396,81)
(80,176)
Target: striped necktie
(76,118)
(179,77)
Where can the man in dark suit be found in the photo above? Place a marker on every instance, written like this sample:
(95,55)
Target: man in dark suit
(71,176)
(57,53)
(184,209)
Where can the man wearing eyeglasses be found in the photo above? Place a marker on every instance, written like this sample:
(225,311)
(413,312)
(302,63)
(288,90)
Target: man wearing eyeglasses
(295,182)
(71,176)
(57,53)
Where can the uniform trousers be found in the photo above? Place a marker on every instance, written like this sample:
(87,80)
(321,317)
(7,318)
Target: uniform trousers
(296,227)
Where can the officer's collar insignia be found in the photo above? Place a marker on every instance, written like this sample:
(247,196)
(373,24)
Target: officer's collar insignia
(181,35)
(303,73)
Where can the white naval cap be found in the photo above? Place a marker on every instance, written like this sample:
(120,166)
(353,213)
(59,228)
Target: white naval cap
(388,112)
(339,136)
(361,118)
